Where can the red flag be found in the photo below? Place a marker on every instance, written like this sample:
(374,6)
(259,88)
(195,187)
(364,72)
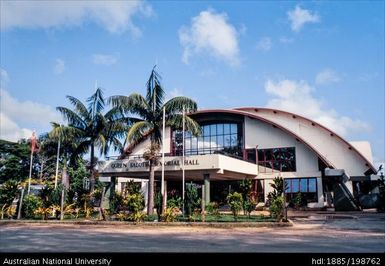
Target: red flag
(34,145)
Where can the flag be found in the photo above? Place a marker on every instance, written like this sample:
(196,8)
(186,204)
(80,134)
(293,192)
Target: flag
(34,144)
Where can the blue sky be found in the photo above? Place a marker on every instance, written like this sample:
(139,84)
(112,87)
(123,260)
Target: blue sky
(324,60)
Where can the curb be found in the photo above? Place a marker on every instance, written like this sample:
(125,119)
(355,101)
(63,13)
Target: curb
(153,224)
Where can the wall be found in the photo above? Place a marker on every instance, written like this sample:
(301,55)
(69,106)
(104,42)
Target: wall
(330,146)
(141,148)
(266,136)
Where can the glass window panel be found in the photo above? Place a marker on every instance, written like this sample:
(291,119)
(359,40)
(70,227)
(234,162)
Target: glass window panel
(233,129)
(261,155)
(295,185)
(214,143)
(312,185)
(200,143)
(226,129)
(220,141)
(227,141)
(194,143)
(268,155)
(220,129)
(187,134)
(213,129)
(277,166)
(206,143)
(288,186)
(303,184)
(206,130)
(187,143)
(234,140)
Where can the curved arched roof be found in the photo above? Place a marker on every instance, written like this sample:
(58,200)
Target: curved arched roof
(257,113)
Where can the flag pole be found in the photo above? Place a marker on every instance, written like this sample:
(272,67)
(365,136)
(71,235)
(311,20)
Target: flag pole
(30,172)
(163,144)
(33,145)
(57,159)
(183,155)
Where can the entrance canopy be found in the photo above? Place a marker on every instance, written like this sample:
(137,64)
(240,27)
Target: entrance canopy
(220,167)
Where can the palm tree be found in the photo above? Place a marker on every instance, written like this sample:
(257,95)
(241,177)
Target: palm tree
(149,109)
(94,129)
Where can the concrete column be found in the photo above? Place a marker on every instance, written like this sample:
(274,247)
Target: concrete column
(206,179)
(320,192)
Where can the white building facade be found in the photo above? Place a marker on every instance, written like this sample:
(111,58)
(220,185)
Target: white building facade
(258,144)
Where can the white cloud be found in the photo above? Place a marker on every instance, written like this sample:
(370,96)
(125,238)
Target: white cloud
(104,59)
(59,66)
(264,44)
(296,96)
(327,76)
(210,33)
(286,39)
(368,76)
(115,16)
(299,17)
(4,77)
(175,93)
(15,114)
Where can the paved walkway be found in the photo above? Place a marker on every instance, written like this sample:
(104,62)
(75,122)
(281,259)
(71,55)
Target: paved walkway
(312,232)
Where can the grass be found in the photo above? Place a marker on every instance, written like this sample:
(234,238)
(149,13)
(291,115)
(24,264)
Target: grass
(226,218)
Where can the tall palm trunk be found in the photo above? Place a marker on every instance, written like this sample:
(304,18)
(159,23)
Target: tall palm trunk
(92,172)
(150,204)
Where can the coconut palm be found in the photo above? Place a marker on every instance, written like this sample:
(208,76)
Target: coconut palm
(93,128)
(149,110)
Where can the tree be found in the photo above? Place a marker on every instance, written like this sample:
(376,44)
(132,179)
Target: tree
(149,109)
(15,160)
(94,129)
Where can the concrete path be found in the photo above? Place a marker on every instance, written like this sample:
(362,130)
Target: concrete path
(311,233)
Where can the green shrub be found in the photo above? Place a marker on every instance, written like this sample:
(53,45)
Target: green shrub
(277,208)
(8,192)
(235,202)
(31,203)
(212,208)
(192,200)
(170,214)
(249,206)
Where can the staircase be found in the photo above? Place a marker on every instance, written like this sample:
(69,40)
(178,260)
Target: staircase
(343,198)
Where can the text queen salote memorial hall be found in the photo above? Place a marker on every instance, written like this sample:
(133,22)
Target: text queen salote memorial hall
(258,144)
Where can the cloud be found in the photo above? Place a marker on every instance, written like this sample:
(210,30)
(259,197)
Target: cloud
(210,33)
(297,97)
(115,16)
(104,59)
(175,93)
(264,44)
(368,76)
(4,77)
(59,66)
(286,39)
(15,115)
(299,17)
(327,76)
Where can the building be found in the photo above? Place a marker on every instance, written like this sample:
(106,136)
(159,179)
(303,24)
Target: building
(259,144)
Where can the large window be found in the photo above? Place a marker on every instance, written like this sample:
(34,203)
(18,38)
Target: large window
(280,159)
(223,138)
(306,186)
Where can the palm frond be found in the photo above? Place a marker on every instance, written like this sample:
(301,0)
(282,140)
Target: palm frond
(73,118)
(79,107)
(138,130)
(96,102)
(155,92)
(176,104)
